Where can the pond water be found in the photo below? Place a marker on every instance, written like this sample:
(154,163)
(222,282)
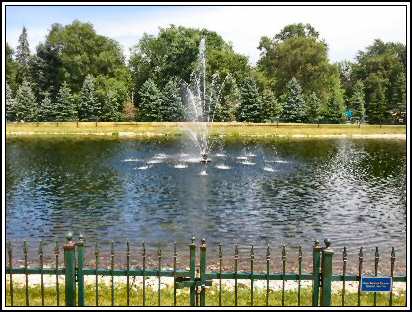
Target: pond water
(350,191)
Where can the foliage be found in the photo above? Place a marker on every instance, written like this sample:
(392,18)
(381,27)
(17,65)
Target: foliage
(297,30)
(250,108)
(172,106)
(10,104)
(272,108)
(173,54)
(345,74)
(129,111)
(229,102)
(46,110)
(382,69)
(22,57)
(376,88)
(65,106)
(89,107)
(23,50)
(293,102)
(112,93)
(313,108)
(297,52)
(45,68)
(357,102)
(11,68)
(81,52)
(59,76)
(149,107)
(25,103)
(334,110)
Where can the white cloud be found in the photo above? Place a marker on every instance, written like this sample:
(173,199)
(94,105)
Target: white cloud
(346,29)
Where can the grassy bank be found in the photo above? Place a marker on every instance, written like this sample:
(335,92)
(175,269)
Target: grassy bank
(137,129)
(212,297)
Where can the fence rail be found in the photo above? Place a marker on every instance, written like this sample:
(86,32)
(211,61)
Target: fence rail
(197,279)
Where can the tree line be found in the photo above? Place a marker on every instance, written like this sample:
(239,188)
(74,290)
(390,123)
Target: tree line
(79,75)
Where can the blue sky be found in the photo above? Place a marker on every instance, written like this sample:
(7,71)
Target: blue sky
(346,29)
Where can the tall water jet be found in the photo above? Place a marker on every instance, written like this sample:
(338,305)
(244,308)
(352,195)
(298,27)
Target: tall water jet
(200,103)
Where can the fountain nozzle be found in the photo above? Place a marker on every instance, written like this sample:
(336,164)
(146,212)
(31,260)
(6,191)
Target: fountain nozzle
(204,158)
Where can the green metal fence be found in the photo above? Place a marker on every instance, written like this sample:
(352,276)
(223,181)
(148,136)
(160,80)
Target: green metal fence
(196,279)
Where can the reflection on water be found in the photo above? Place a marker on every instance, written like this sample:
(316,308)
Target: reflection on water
(351,191)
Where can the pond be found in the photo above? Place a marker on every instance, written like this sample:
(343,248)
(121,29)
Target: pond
(255,192)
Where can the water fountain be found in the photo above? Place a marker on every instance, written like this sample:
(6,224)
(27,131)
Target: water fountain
(200,104)
(200,101)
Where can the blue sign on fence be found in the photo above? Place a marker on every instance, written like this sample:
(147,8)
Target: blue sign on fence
(376,283)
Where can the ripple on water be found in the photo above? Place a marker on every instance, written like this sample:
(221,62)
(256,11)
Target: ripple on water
(268,169)
(241,157)
(222,167)
(193,160)
(180,166)
(155,161)
(248,163)
(131,160)
(160,156)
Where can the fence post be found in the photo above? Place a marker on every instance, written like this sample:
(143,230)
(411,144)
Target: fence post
(70,270)
(80,277)
(316,273)
(327,256)
(193,272)
(202,273)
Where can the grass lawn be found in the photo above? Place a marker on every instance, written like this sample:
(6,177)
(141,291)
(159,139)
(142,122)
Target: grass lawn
(212,297)
(133,129)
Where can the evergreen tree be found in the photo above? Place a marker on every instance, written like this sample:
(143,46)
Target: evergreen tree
(11,68)
(129,111)
(377,106)
(25,103)
(89,106)
(357,101)
(22,57)
(46,112)
(45,69)
(65,107)
(111,109)
(172,106)
(10,104)
(399,94)
(313,108)
(272,108)
(250,108)
(294,102)
(335,110)
(23,50)
(150,102)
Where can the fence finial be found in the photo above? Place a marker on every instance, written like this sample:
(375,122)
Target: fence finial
(69,236)
(283,252)
(361,254)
